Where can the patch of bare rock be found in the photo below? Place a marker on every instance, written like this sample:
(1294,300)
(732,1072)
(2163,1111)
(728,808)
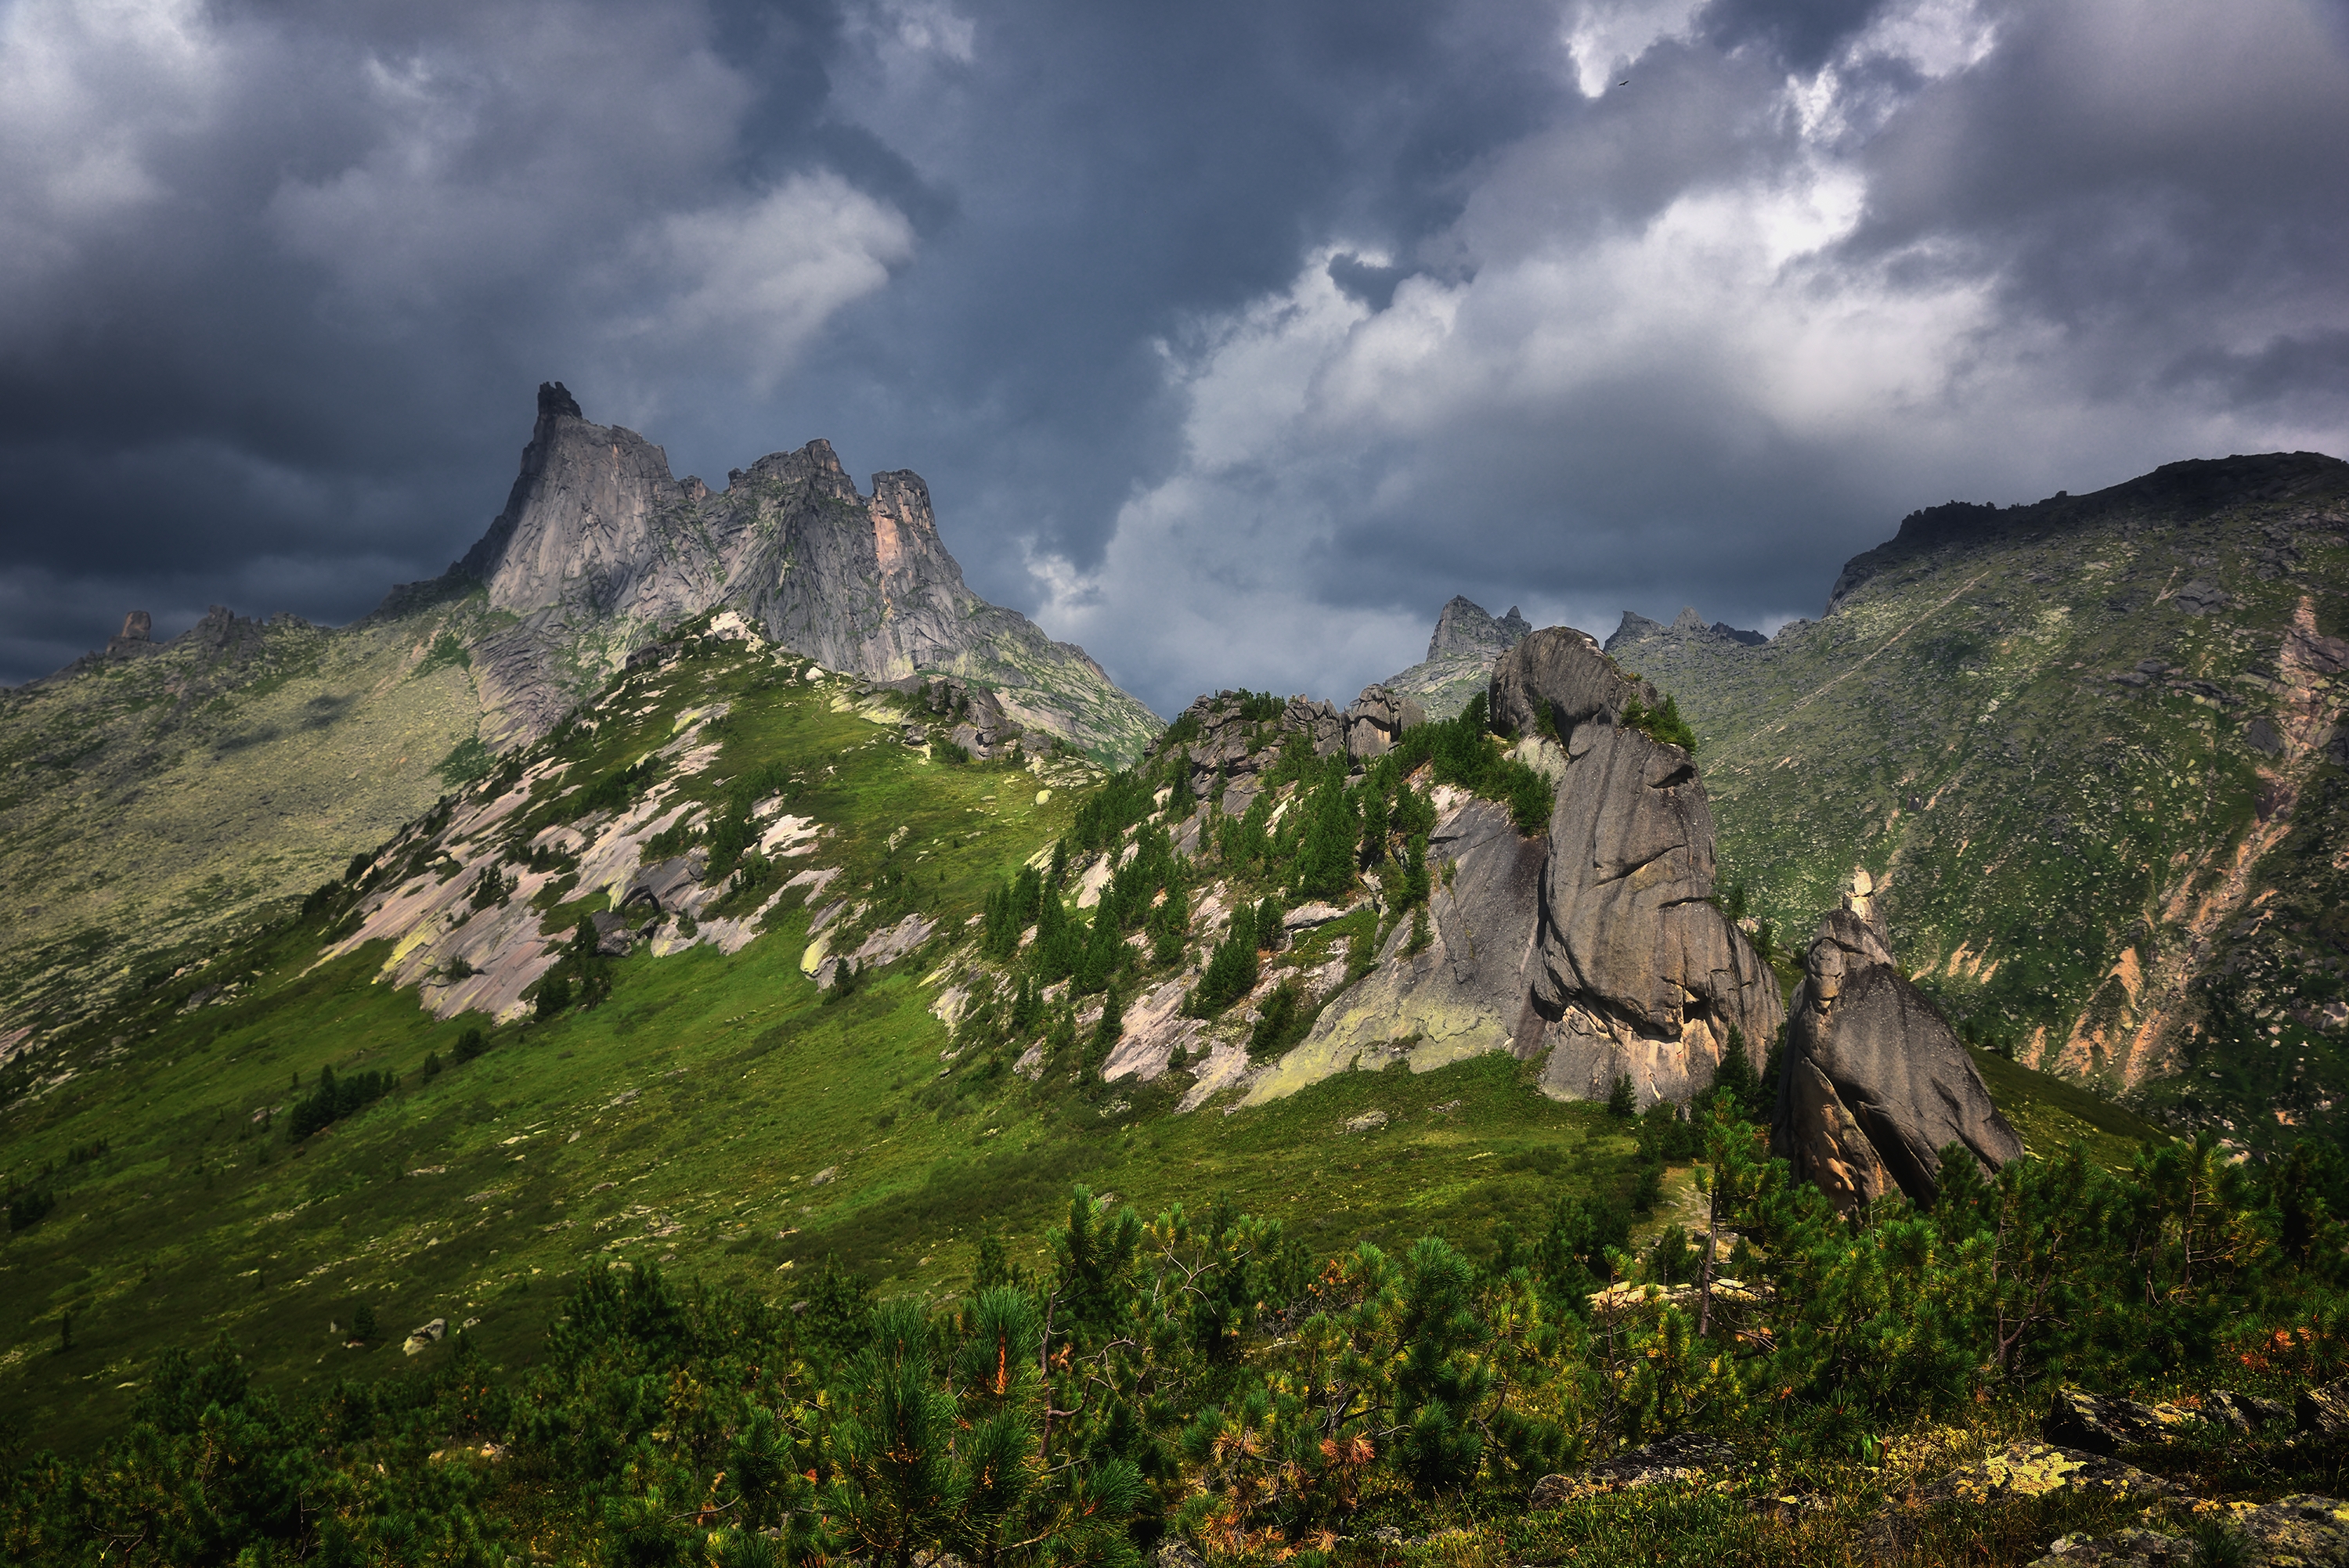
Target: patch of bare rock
(1875,1083)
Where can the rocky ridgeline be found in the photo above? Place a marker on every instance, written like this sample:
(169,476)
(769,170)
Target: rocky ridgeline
(1636,628)
(600,549)
(1231,738)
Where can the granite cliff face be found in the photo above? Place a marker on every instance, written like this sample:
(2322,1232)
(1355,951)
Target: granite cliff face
(600,549)
(1875,1085)
(1642,974)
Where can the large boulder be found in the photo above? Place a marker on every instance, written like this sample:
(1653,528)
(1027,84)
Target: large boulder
(1639,975)
(1875,1084)
(1377,720)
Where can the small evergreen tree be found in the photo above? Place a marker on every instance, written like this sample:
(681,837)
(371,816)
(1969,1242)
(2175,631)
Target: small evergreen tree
(1623,1099)
(900,1490)
(1440,1382)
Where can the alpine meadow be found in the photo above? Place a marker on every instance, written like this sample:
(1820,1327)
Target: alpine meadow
(1449,785)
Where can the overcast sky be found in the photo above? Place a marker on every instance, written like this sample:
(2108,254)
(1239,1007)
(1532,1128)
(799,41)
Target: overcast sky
(1232,339)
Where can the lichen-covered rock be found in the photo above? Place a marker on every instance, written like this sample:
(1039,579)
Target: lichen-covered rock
(2300,1531)
(2123,1549)
(2034,1469)
(1684,1457)
(1875,1084)
(2242,1414)
(2103,1424)
(2323,1411)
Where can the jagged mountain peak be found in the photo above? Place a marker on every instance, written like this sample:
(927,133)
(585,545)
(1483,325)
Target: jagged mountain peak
(600,549)
(1464,630)
(1635,627)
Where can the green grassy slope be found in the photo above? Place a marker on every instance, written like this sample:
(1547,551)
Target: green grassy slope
(718,1112)
(2062,845)
(153,806)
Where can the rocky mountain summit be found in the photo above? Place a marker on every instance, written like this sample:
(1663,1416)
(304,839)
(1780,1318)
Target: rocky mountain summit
(1460,654)
(161,793)
(600,549)
(1687,624)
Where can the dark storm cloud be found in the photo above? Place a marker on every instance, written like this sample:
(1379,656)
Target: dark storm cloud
(1232,339)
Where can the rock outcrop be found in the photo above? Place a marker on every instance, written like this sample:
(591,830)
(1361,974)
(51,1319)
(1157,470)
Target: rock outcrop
(1594,947)
(1875,1084)
(1469,991)
(600,550)
(1376,721)
(1460,654)
(136,637)
(1232,737)
(1641,973)
(2303,1531)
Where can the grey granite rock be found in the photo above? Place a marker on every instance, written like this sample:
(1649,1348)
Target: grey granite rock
(1875,1084)
(1468,992)
(599,552)
(1639,974)
(1376,721)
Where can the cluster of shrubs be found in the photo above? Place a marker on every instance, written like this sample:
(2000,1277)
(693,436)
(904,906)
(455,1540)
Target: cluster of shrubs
(1208,1377)
(334,1099)
(29,1207)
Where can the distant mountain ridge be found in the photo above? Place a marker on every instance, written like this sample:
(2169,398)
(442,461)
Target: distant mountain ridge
(2094,745)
